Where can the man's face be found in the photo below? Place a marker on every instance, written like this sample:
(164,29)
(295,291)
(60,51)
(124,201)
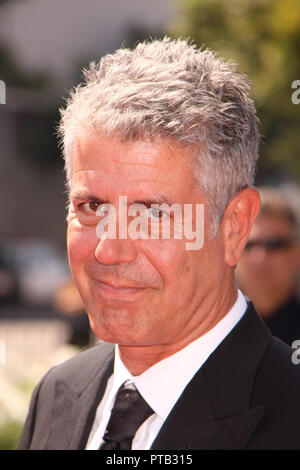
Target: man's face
(272,260)
(143,291)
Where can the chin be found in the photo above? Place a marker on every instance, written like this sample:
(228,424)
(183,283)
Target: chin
(117,328)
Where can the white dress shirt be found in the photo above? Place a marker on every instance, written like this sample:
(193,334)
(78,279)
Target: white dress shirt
(162,384)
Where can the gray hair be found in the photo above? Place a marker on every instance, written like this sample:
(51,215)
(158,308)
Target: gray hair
(169,89)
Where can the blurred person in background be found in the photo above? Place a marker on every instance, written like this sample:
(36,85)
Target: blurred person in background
(67,302)
(270,264)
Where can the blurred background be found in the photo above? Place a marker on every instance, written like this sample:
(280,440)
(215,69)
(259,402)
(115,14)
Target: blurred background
(43,47)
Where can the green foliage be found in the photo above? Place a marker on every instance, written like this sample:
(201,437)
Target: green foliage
(263,37)
(10,433)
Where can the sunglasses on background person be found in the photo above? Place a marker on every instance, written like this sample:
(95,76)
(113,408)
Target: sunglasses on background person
(270,244)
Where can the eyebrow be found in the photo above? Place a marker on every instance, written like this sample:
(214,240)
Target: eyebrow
(146,202)
(149,202)
(86,197)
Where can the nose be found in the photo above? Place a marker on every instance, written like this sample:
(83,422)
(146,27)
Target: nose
(257,254)
(114,251)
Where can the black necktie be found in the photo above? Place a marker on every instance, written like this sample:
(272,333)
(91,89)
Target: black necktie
(128,413)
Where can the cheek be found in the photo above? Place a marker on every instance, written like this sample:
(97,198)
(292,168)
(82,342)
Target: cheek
(80,245)
(280,263)
(175,265)
(289,265)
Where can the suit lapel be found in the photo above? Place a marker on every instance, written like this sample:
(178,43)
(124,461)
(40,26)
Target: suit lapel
(195,427)
(214,411)
(75,407)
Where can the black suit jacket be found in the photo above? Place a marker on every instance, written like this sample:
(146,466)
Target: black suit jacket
(285,322)
(245,396)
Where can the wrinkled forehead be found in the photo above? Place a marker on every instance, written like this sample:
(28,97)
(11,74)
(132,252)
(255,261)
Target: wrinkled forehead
(158,161)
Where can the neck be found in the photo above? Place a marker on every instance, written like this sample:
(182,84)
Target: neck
(137,359)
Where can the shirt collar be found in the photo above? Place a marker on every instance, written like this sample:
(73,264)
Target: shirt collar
(162,384)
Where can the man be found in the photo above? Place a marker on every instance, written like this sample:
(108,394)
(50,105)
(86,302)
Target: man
(164,126)
(270,264)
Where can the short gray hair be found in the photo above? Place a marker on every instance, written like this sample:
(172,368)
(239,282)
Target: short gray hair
(169,89)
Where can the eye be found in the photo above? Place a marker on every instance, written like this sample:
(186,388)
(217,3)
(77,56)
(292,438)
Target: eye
(156,213)
(89,207)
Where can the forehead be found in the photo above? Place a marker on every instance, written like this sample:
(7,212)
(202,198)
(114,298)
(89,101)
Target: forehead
(141,166)
(271,225)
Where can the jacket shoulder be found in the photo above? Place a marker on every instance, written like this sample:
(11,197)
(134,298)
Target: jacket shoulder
(279,365)
(76,374)
(277,389)
(83,366)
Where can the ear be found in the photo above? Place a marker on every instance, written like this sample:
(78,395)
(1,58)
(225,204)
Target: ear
(237,222)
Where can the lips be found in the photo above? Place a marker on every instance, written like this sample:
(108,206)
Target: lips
(119,291)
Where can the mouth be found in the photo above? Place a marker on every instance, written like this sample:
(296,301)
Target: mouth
(122,292)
